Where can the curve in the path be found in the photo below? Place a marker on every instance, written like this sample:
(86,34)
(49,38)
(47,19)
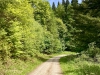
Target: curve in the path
(50,67)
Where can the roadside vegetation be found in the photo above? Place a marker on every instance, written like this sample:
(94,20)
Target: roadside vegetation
(31,31)
(19,67)
(76,64)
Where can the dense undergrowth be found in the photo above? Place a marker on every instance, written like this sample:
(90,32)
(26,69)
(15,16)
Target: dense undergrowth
(19,67)
(83,65)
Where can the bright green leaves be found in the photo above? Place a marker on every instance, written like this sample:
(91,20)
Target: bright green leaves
(53,36)
(60,10)
(42,11)
(21,36)
(17,14)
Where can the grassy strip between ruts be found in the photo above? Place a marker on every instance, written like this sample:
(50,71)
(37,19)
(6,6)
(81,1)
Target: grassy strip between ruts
(74,65)
(19,67)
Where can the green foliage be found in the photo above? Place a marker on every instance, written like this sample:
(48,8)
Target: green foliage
(74,3)
(82,21)
(28,27)
(93,51)
(21,36)
(51,25)
(18,30)
(87,27)
(17,66)
(42,11)
(31,27)
(60,11)
(73,65)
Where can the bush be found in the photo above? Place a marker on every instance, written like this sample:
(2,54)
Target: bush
(93,50)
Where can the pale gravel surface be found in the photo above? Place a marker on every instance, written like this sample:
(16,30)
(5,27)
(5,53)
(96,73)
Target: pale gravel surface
(50,67)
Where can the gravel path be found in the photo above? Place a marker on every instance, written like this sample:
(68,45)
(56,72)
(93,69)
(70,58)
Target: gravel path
(50,67)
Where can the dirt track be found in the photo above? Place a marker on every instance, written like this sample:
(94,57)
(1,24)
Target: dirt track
(50,67)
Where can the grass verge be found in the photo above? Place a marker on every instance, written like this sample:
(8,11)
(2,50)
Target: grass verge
(74,65)
(19,67)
